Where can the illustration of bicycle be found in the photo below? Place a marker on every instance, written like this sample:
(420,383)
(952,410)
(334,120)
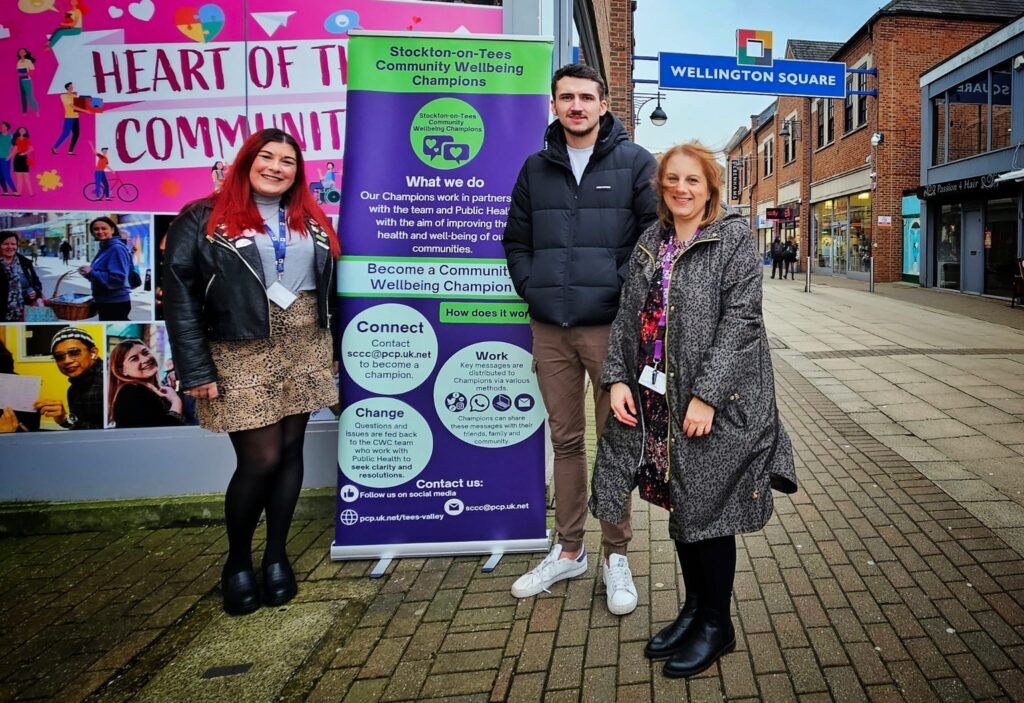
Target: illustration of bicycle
(125,192)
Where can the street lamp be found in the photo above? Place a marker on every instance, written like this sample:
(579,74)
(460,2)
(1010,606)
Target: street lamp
(791,128)
(658,116)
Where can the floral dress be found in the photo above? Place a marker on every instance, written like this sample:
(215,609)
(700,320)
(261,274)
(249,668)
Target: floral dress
(652,474)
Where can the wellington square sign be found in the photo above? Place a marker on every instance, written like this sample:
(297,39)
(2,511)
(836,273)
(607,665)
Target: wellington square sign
(752,70)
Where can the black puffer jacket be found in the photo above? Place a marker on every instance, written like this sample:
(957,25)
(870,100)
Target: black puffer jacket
(214,290)
(568,245)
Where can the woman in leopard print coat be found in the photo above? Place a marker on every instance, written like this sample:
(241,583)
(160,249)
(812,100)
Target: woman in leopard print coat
(711,446)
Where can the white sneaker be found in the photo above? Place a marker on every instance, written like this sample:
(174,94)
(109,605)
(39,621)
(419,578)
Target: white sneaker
(618,582)
(550,571)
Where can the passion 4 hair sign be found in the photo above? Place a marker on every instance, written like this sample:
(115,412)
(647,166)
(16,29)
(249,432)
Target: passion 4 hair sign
(752,70)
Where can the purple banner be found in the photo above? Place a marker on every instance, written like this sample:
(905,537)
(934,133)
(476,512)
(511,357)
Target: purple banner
(441,441)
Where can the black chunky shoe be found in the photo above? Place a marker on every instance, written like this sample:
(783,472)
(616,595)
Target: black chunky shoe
(279,585)
(241,596)
(668,640)
(709,639)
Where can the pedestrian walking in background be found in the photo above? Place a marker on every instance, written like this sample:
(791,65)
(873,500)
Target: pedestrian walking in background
(248,281)
(577,210)
(789,254)
(776,254)
(108,274)
(65,251)
(695,424)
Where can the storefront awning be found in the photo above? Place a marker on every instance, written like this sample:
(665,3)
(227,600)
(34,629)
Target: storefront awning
(1017,175)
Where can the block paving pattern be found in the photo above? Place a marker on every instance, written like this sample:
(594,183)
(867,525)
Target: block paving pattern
(870,584)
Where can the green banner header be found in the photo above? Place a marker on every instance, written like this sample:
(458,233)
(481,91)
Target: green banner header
(410,64)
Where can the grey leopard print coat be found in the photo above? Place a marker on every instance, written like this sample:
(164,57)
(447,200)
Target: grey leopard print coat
(717,349)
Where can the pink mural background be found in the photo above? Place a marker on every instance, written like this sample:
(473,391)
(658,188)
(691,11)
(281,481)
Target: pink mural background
(172,87)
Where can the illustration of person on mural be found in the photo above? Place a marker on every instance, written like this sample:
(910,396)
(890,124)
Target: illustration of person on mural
(102,185)
(70,25)
(6,146)
(22,161)
(26,64)
(71,127)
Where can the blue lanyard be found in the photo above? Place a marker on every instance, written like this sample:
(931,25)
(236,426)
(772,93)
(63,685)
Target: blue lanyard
(280,240)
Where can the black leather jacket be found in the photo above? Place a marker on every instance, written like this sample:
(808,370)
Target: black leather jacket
(214,289)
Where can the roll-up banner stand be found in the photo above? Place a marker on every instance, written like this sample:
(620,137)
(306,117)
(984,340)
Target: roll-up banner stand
(441,441)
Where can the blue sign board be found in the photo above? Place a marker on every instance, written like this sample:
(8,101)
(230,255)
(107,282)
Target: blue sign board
(723,74)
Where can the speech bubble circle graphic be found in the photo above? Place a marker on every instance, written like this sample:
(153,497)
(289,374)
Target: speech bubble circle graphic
(446,133)
(33,6)
(342,21)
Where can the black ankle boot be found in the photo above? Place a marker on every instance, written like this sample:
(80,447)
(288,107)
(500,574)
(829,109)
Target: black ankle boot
(279,585)
(241,596)
(709,639)
(667,641)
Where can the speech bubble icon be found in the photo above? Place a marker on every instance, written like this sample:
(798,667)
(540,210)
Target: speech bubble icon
(34,6)
(433,143)
(479,403)
(456,152)
(342,21)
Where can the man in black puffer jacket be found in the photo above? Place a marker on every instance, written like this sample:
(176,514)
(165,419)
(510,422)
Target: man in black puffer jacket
(578,207)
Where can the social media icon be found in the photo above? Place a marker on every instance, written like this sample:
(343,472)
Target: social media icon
(349,493)
(479,403)
(525,402)
(456,402)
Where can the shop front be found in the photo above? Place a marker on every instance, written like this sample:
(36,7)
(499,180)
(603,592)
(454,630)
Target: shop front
(975,238)
(842,236)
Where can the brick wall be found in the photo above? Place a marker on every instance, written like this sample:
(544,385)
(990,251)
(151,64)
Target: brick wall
(619,59)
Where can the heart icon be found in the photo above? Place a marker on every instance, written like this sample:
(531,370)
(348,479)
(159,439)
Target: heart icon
(200,25)
(416,20)
(141,10)
(115,12)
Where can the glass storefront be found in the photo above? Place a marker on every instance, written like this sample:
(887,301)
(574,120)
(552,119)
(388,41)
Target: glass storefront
(947,247)
(1000,242)
(843,235)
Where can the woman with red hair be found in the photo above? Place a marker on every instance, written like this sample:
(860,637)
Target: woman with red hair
(248,291)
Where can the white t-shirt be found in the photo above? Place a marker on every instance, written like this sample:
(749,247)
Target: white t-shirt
(579,158)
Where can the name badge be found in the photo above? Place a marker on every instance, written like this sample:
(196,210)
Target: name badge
(280,296)
(651,378)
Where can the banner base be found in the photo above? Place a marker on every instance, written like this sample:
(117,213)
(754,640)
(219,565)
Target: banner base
(438,549)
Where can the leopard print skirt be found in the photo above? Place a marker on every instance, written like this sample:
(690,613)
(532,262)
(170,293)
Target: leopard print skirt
(261,381)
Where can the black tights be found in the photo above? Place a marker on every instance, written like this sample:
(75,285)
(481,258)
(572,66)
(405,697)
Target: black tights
(268,476)
(709,569)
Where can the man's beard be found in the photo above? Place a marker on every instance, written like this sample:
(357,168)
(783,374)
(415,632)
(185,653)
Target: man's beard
(581,132)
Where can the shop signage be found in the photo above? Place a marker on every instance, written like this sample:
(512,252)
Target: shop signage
(441,443)
(958,187)
(734,179)
(783,214)
(752,70)
(884,221)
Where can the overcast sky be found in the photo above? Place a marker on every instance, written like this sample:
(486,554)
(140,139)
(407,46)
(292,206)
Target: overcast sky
(709,27)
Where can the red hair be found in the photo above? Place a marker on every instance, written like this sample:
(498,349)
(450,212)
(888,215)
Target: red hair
(234,207)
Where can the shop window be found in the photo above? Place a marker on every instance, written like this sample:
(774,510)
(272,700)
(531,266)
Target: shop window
(1002,86)
(823,228)
(975,117)
(939,131)
(947,248)
(1000,245)
(860,232)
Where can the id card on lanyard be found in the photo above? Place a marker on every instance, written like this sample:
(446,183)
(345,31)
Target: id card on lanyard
(651,377)
(278,294)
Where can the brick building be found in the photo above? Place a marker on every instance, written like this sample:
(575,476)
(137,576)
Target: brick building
(846,163)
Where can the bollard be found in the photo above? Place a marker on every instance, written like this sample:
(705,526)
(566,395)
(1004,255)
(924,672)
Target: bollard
(871,275)
(807,275)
